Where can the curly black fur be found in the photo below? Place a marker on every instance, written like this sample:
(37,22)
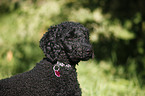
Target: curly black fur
(68,43)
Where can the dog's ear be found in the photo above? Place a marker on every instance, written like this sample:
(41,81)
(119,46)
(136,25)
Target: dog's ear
(50,45)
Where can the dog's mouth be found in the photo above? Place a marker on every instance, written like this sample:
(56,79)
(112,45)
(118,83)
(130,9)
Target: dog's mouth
(88,55)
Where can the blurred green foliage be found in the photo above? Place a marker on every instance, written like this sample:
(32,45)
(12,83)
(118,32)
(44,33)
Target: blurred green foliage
(117,33)
(100,80)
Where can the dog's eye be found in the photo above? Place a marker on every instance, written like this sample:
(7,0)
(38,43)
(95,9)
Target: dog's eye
(70,36)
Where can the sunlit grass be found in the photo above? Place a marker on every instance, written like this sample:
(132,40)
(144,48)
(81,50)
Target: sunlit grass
(100,80)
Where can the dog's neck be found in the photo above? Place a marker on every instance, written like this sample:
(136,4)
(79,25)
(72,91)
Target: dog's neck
(61,57)
(58,63)
(57,67)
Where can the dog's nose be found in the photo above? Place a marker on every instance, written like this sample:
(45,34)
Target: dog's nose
(90,51)
(88,47)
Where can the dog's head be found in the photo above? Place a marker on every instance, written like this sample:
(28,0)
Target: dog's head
(67,42)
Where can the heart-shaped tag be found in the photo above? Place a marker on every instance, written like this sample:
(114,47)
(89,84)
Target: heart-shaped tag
(57,67)
(57,73)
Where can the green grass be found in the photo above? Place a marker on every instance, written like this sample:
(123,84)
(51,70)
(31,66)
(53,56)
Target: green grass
(100,80)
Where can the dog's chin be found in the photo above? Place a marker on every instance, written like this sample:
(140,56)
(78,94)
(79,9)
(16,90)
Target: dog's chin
(85,58)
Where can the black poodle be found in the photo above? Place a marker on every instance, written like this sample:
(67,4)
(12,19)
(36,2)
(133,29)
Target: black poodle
(64,45)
